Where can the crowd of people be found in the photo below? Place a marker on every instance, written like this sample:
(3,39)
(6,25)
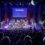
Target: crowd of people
(12,24)
(22,23)
(31,36)
(22,37)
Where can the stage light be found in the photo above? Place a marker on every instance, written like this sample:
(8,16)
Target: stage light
(32,2)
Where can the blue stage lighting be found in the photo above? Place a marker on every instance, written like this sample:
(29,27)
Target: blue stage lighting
(32,2)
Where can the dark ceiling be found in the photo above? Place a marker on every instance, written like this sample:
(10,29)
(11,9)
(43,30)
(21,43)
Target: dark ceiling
(22,1)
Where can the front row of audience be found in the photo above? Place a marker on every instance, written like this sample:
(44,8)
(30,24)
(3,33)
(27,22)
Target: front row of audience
(22,38)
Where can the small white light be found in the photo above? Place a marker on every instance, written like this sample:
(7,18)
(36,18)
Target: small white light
(32,2)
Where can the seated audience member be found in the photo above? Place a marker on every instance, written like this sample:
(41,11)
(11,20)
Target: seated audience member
(19,42)
(27,40)
(6,41)
(44,41)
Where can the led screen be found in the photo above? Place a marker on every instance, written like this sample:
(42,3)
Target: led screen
(19,12)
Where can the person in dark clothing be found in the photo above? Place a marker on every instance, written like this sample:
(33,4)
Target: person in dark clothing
(27,40)
(6,40)
(44,41)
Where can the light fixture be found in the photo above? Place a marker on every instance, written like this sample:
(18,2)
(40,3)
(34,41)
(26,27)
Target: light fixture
(32,2)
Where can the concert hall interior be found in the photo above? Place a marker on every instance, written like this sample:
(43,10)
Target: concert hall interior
(22,22)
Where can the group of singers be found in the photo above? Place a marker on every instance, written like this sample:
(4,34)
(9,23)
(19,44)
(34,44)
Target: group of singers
(22,23)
